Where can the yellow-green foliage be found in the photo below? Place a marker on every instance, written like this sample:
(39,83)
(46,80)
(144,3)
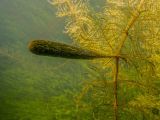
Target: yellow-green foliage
(124,27)
(128,30)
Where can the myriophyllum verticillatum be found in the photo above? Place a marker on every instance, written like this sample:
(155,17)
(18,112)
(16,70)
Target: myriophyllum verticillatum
(56,49)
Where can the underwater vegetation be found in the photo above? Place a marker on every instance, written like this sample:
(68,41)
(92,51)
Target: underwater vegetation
(128,33)
(55,49)
(124,86)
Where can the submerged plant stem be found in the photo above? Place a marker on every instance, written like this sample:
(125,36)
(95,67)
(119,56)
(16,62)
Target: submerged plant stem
(116,87)
(123,39)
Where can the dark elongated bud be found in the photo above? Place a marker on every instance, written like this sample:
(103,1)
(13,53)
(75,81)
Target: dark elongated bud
(56,49)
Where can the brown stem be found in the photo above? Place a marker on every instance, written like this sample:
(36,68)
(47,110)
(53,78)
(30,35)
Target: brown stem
(116,88)
(123,39)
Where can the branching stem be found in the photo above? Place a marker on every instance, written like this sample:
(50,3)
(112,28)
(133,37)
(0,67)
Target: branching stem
(133,19)
(123,38)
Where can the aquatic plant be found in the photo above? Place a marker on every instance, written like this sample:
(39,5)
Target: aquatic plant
(129,31)
(55,49)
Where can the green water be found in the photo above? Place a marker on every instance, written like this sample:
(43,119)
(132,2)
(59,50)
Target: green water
(34,87)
